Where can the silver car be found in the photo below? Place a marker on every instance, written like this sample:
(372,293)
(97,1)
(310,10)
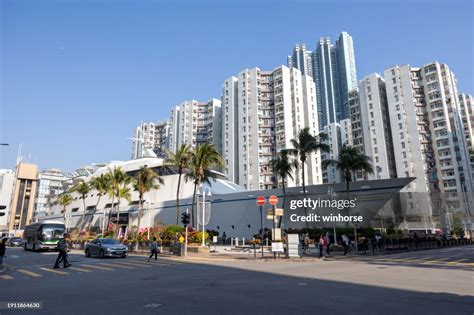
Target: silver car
(106,247)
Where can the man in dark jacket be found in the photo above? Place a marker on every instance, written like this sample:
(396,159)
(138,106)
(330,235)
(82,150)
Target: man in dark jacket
(3,248)
(62,255)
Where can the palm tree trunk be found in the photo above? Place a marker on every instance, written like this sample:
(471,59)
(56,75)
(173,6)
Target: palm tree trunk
(194,201)
(304,190)
(284,199)
(140,212)
(117,226)
(111,209)
(177,198)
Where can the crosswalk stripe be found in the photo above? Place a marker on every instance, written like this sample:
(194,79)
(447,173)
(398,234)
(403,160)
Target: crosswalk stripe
(55,271)
(80,269)
(116,265)
(136,264)
(96,267)
(452,263)
(29,273)
(6,277)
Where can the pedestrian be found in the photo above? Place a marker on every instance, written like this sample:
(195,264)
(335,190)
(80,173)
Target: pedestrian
(321,246)
(306,243)
(224,238)
(3,249)
(327,243)
(62,255)
(345,243)
(154,249)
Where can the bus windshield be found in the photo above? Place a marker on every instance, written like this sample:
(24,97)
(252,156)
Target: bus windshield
(52,232)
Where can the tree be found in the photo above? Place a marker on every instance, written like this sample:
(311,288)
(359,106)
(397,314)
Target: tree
(64,200)
(284,168)
(305,144)
(101,184)
(180,160)
(82,189)
(144,181)
(123,192)
(203,158)
(118,180)
(349,161)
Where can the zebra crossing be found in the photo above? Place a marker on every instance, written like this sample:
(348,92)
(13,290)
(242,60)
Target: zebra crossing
(417,260)
(83,268)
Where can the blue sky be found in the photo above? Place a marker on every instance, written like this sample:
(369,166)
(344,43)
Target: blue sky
(78,76)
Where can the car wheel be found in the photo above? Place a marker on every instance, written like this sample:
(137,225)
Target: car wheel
(102,254)
(88,254)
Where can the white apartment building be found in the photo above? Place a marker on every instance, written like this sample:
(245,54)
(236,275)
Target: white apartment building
(195,123)
(466,103)
(428,137)
(339,134)
(150,136)
(375,126)
(262,112)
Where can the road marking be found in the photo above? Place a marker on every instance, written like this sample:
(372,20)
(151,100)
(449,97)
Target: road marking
(115,265)
(55,271)
(6,277)
(136,264)
(451,263)
(97,267)
(29,273)
(79,269)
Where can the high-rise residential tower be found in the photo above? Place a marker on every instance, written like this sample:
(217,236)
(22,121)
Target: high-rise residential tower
(150,136)
(262,112)
(334,73)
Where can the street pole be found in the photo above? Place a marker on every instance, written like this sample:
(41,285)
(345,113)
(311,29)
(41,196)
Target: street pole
(261,228)
(149,222)
(203,210)
(186,237)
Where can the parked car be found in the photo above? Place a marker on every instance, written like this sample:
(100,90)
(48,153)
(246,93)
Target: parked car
(15,241)
(106,247)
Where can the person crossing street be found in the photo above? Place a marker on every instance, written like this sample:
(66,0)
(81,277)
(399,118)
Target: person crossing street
(62,255)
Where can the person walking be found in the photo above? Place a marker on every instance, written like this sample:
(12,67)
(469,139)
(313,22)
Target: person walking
(345,243)
(62,255)
(321,246)
(327,243)
(306,244)
(3,249)
(154,249)
(224,238)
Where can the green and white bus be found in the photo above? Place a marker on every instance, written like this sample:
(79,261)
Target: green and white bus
(43,235)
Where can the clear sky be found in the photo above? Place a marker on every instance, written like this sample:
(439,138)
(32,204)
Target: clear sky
(78,76)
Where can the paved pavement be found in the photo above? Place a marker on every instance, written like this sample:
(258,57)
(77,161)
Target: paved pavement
(438,282)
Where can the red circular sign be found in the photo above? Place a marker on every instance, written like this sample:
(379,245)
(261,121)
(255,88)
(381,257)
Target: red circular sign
(261,200)
(273,200)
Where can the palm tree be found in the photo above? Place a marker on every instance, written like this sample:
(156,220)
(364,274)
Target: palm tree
(284,168)
(101,184)
(117,178)
(82,189)
(144,181)
(123,192)
(64,200)
(203,158)
(304,145)
(180,160)
(349,161)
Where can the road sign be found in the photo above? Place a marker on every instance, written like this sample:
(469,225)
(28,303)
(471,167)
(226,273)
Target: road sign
(276,233)
(273,200)
(278,212)
(261,200)
(277,247)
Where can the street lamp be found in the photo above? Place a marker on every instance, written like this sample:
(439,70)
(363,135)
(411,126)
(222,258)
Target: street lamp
(203,222)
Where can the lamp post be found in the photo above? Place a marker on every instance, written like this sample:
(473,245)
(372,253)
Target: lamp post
(149,208)
(203,212)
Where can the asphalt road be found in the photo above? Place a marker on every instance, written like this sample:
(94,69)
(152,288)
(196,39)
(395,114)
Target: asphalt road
(434,282)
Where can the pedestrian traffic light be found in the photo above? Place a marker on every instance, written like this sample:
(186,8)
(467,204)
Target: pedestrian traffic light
(185,218)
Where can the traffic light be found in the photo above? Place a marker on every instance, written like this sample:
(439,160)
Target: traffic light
(1,212)
(185,218)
